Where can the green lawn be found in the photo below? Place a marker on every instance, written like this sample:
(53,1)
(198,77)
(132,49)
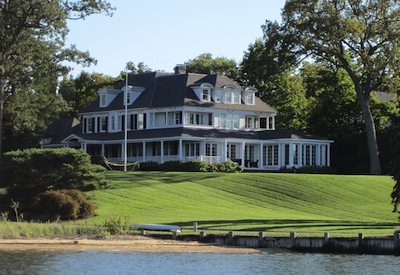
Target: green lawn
(276,203)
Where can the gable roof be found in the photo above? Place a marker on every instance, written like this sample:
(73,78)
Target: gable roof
(174,90)
(58,129)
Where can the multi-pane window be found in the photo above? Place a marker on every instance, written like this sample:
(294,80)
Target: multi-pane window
(175,118)
(236,97)
(228,97)
(206,95)
(141,121)
(135,149)
(249,99)
(211,149)
(103,124)
(271,155)
(90,124)
(170,148)
(103,100)
(252,122)
(192,149)
(199,118)
(295,154)
(229,121)
(231,151)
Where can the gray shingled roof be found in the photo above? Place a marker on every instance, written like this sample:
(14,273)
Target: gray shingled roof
(202,133)
(168,89)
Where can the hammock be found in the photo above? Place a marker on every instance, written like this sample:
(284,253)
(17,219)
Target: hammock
(131,166)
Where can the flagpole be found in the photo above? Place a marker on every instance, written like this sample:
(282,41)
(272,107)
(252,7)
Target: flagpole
(126,121)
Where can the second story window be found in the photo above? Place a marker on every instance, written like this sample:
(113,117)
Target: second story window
(229,121)
(175,118)
(103,124)
(199,118)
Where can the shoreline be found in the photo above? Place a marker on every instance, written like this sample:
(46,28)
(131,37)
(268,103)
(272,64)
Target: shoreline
(134,244)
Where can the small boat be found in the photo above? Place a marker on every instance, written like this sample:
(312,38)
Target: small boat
(157,227)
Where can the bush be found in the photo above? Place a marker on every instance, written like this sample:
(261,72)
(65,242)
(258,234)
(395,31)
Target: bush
(64,204)
(26,173)
(149,166)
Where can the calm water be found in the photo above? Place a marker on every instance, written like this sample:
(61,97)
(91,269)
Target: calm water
(111,262)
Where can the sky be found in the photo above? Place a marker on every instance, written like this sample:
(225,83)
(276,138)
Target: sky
(162,34)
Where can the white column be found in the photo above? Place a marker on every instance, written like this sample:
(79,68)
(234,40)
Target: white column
(323,155)
(318,155)
(224,151)
(328,157)
(260,162)
(300,152)
(180,153)
(242,156)
(268,123)
(102,149)
(291,156)
(144,151)
(162,152)
(273,122)
(281,148)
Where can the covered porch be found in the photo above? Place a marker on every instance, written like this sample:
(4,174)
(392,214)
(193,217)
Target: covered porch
(250,154)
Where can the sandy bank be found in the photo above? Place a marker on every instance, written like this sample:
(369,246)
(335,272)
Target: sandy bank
(137,243)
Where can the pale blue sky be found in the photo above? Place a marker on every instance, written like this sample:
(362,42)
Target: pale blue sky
(165,33)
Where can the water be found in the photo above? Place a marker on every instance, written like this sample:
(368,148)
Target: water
(114,262)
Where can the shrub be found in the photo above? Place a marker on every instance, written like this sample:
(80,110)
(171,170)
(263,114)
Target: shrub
(174,165)
(26,173)
(64,204)
(150,166)
(117,226)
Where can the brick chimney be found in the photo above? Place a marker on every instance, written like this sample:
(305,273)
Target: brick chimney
(180,69)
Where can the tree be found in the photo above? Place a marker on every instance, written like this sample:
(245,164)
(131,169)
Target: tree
(79,92)
(269,66)
(26,116)
(286,93)
(32,37)
(396,166)
(362,37)
(206,64)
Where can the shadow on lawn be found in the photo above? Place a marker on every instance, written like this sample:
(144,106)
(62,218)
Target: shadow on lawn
(148,178)
(285,224)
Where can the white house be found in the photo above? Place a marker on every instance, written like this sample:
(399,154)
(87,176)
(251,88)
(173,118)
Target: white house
(184,116)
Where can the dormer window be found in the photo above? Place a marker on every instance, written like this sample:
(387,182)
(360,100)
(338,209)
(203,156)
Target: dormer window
(103,100)
(228,97)
(249,99)
(206,95)
(236,97)
(249,95)
(132,93)
(128,99)
(106,96)
(218,96)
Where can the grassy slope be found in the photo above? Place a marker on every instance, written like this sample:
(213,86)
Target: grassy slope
(277,203)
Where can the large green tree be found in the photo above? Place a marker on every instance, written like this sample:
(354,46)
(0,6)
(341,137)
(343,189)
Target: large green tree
(80,91)
(32,41)
(206,64)
(360,36)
